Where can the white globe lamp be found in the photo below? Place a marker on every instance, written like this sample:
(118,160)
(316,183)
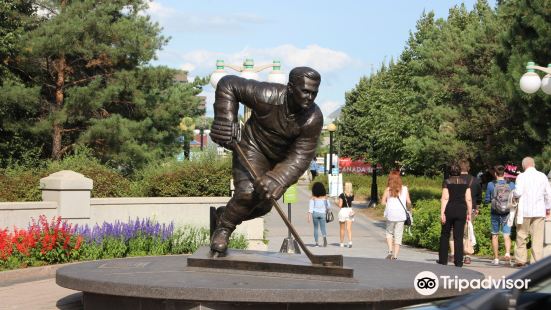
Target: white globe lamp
(530,82)
(248,70)
(276,75)
(546,82)
(218,74)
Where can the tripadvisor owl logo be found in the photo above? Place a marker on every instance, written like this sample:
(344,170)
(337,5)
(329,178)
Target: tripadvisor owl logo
(426,283)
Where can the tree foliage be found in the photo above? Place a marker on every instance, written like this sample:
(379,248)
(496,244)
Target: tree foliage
(453,92)
(78,73)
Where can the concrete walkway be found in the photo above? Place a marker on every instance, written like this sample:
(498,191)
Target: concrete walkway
(18,290)
(368,238)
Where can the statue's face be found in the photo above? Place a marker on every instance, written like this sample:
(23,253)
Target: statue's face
(304,92)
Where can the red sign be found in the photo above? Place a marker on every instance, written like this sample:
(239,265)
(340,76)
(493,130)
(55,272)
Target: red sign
(347,165)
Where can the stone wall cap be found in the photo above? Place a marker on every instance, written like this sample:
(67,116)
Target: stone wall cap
(159,200)
(66,179)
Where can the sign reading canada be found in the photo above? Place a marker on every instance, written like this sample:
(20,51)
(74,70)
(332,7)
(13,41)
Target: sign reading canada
(347,165)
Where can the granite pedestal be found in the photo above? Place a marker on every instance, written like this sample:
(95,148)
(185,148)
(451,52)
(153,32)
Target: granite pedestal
(167,282)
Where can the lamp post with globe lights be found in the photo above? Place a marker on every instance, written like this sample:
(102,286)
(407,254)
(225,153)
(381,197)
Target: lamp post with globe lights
(249,71)
(530,82)
(331,128)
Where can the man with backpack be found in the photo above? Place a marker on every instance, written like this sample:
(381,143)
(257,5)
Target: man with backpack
(497,193)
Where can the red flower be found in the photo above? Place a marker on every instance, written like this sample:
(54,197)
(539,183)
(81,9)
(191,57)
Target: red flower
(6,247)
(46,236)
(78,243)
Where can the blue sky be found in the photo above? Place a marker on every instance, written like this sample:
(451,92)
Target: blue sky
(344,40)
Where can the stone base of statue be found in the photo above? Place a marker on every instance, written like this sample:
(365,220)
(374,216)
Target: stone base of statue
(266,262)
(235,282)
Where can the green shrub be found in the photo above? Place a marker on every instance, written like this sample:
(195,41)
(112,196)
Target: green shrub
(483,233)
(13,262)
(238,241)
(426,228)
(159,247)
(91,251)
(114,247)
(20,184)
(107,181)
(420,188)
(138,246)
(204,177)
(188,239)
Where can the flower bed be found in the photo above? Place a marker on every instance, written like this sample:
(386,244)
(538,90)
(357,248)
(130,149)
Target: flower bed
(56,241)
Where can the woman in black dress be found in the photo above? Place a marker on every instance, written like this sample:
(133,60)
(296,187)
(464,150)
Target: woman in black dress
(455,210)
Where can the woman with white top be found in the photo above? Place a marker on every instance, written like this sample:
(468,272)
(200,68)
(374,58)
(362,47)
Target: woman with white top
(396,199)
(316,211)
(346,214)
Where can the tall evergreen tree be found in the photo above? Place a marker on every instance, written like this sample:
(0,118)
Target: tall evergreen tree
(18,103)
(446,88)
(82,45)
(526,37)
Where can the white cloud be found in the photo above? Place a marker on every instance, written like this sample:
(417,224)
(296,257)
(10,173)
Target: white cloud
(323,59)
(315,56)
(329,106)
(200,22)
(158,11)
(188,67)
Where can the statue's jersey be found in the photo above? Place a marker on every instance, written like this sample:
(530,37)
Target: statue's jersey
(287,140)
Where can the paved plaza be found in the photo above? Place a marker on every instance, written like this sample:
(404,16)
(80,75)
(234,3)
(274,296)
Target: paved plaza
(35,288)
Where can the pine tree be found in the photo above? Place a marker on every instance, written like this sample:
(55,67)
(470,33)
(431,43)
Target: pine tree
(439,101)
(526,37)
(80,46)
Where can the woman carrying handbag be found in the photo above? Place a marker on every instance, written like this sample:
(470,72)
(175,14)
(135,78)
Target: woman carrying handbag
(317,211)
(455,211)
(395,212)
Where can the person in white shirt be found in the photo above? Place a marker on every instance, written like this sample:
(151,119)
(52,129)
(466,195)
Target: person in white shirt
(396,199)
(534,194)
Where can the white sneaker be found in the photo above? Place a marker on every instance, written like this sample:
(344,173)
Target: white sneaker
(495,261)
(342,245)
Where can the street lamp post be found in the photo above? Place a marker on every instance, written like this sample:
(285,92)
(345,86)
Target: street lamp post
(331,128)
(201,134)
(202,125)
(248,71)
(374,189)
(530,82)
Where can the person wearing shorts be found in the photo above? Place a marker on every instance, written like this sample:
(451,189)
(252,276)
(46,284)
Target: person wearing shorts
(499,221)
(396,199)
(346,214)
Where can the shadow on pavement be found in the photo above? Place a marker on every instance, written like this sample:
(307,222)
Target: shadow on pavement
(70,302)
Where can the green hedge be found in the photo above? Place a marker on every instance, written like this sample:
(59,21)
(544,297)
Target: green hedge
(426,228)
(420,188)
(206,175)
(425,194)
(22,183)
